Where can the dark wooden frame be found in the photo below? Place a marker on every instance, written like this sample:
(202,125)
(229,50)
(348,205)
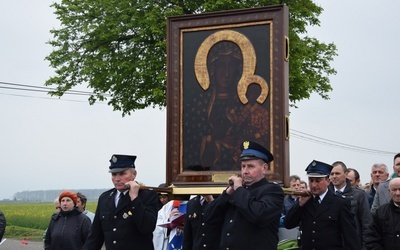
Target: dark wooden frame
(178,28)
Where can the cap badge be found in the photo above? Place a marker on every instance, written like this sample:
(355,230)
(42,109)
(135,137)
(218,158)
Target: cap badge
(114,159)
(246,144)
(314,163)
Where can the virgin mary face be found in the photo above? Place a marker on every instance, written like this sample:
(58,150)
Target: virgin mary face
(227,69)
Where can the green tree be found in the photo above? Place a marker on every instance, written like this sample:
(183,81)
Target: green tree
(118,48)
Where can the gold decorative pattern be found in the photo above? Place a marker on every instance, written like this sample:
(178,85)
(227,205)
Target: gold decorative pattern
(249,63)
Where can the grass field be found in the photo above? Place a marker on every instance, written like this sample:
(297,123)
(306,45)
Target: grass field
(29,220)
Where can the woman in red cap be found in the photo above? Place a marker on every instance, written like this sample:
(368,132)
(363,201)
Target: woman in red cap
(69,228)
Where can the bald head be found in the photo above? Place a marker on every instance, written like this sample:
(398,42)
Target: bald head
(394,182)
(394,189)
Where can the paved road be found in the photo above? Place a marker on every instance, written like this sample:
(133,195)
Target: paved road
(16,244)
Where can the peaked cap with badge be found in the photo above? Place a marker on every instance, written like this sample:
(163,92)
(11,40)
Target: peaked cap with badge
(252,150)
(318,169)
(119,163)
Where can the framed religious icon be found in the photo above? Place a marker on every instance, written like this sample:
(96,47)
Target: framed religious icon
(227,82)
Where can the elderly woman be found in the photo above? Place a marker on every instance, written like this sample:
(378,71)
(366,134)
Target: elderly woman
(69,228)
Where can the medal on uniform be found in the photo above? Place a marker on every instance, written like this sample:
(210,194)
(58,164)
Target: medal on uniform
(125,215)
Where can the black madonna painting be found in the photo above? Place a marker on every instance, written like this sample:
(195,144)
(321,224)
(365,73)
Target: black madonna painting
(226,84)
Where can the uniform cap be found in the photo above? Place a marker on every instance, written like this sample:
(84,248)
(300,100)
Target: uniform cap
(119,163)
(163,185)
(252,150)
(318,169)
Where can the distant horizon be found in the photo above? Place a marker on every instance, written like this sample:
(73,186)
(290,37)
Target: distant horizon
(92,194)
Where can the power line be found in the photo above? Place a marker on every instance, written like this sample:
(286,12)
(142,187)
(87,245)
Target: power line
(294,133)
(42,91)
(331,143)
(33,88)
(47,98)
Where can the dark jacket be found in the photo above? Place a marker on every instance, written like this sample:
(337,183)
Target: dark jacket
(329,226)
(249,217)
(371,191)
(288,203)
(129,226)
(359,207)
(384,231)
(2,225)
(196,233)
(382,195)
(370,199)
(67,230)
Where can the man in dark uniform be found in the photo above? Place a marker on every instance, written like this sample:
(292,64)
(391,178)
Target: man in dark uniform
(326,219)
(249,209)
(125,216)
(197,234)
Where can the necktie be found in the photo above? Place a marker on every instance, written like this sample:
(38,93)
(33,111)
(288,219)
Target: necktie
(316,200)
(121,196)
(338,192)
(202,200)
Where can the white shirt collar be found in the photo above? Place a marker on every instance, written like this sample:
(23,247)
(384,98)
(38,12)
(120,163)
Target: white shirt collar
(322,196)
(342,189)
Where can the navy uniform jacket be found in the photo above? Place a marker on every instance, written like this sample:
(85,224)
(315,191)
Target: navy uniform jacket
(249,217)
(129,226)
(330,226)
(197,234)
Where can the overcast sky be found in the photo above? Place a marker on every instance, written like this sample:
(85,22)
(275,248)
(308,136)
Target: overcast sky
(47,143)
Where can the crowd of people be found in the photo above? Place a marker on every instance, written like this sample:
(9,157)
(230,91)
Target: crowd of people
(337,212)
(128,217)
(331,210)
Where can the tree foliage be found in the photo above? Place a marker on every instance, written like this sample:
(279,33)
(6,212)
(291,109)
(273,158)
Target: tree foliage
(118,48)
